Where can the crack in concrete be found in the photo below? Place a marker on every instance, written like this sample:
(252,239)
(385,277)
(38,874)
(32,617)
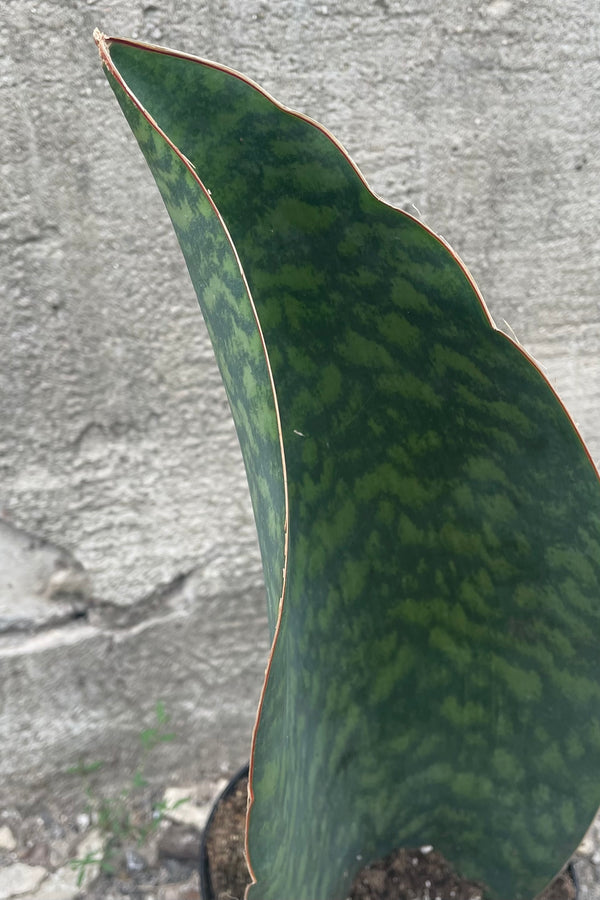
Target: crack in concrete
(98,618)
(25,626)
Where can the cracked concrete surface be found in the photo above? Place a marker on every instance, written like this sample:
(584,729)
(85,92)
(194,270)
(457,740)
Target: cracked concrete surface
(80,677)
(130,571)
(41,586)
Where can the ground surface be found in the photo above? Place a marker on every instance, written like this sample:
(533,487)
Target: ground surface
(144,844)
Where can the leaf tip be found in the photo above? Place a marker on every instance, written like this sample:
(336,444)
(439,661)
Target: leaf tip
(102,42)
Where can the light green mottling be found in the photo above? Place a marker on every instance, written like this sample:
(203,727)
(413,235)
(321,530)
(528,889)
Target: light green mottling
(436,676)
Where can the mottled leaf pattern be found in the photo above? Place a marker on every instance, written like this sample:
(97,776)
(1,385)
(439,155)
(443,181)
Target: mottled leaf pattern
(434,676)
(232,325)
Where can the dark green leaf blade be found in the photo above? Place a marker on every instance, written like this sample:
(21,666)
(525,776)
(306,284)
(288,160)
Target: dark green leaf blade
(435,673)
(230,317)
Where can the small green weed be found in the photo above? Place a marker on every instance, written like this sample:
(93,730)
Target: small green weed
(119,818)
(85,768)
(81,865)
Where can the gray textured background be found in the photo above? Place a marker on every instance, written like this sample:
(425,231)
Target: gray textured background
(129,570)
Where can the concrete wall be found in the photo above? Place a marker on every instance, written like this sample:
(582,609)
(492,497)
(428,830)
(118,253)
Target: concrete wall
(129,570)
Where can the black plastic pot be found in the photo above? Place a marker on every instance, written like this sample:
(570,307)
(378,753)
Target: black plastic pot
(206,887)
(573,876)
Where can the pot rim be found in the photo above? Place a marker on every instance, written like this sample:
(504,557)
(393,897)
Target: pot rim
(206,887)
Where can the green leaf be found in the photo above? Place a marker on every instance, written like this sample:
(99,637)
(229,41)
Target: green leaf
(434,673)
(138,780)
(162,716)
(82,768)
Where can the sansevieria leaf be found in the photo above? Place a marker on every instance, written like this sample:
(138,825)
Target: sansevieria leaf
(428,516)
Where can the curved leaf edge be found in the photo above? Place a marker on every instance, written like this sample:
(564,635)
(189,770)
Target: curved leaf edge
(104,43)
